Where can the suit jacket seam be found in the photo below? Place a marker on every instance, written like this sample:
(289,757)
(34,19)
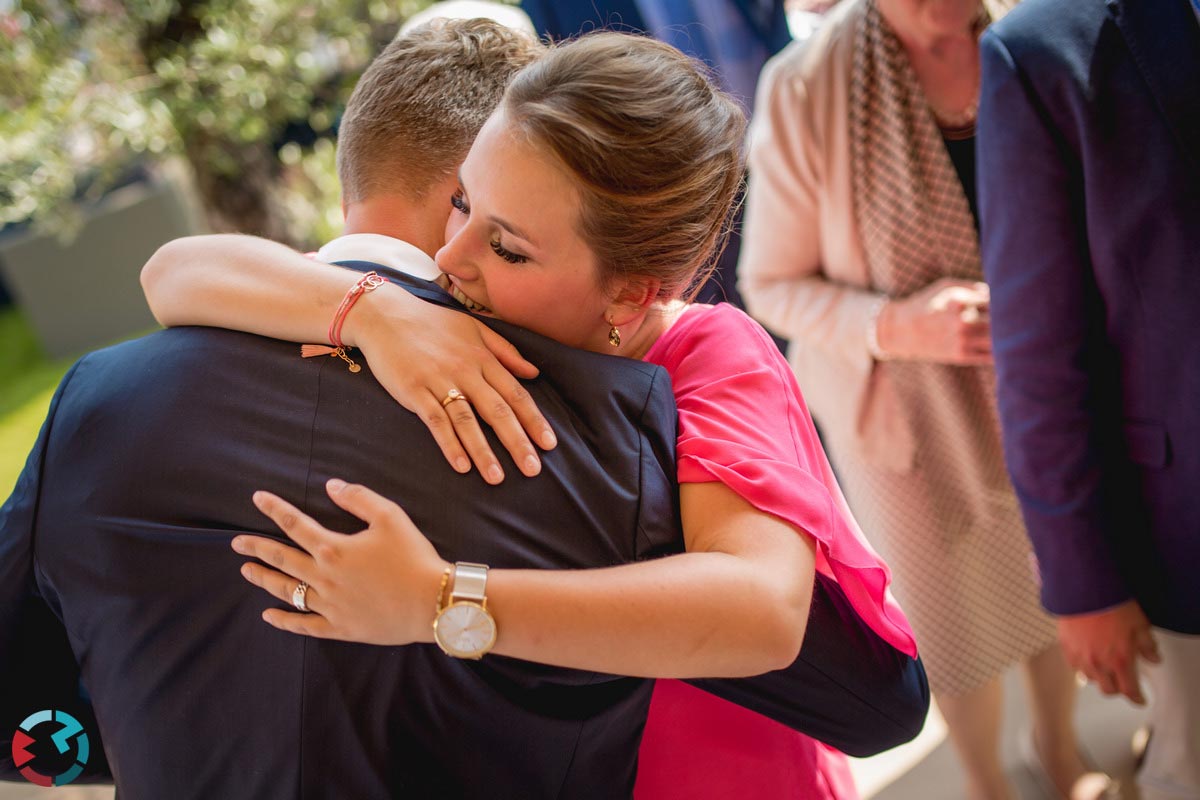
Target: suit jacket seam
(41,471)
(639,528)
(312,438)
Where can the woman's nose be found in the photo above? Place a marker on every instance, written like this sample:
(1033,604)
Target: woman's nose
(454,257)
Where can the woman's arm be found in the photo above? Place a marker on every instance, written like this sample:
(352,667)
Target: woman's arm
(735,604)
(255,285)
(248,284)
(781,274)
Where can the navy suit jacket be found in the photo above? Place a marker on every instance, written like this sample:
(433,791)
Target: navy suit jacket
(118,533)
(1089,178)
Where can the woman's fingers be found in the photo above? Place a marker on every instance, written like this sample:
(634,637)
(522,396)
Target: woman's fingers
(498,399)
(284,558)
(977,342)
(520,402)
(514,396)
(500,413)
(366,504)
(434,415)
(506,353)
(466,429)
(300,527)
(280,585)
(373,587)
(450,417)
(303,624)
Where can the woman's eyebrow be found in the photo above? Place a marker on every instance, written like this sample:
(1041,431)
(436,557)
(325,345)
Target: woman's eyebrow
(514,230)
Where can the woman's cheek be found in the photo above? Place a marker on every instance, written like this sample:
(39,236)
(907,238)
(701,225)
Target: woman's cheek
(454,223)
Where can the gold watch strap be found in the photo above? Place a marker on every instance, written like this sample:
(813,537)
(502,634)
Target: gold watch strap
(442,600)
(470,582)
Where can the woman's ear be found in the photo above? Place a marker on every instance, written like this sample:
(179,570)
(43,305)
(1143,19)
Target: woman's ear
(632,300)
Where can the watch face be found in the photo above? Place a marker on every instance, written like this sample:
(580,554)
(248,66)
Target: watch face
(465,630)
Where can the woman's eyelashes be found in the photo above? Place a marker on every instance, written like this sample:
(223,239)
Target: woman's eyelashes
(459,201)
(507,255)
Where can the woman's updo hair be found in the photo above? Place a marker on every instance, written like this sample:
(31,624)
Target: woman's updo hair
(655,148)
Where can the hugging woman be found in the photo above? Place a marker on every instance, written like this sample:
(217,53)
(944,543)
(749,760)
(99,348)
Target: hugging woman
(592,201)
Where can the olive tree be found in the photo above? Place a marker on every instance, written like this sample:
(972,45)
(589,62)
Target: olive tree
(91,89)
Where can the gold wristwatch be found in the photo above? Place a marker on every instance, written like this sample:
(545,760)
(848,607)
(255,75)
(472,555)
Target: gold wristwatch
(463,627)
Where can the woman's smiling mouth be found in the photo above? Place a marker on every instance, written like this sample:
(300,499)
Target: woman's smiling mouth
(458,295)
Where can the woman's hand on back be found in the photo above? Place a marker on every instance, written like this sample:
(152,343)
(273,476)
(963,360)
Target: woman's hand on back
(378,586)
(945,323)
(419,352)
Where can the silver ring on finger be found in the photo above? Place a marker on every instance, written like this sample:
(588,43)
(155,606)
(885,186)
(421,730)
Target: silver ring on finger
(452,395)
(300,598)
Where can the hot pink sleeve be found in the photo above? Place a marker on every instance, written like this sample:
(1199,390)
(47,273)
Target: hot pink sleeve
(743,422)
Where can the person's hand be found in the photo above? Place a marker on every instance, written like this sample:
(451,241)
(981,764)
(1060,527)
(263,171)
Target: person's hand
(419,352)
(946,323)
(378,586)
(1106,645)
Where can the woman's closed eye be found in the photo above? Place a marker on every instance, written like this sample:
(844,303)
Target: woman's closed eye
(459,201)
(507,255)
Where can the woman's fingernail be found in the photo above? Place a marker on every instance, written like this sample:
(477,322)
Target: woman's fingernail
(532,465)
(335,484)
(462,465)
(549,440)
(239,544)
(495,474)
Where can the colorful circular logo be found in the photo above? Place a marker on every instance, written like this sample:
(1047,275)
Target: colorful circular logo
(56,766)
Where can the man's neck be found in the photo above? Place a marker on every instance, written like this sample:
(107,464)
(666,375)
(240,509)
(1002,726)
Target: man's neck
(400,218)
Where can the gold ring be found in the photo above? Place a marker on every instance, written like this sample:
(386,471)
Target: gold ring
(451,396)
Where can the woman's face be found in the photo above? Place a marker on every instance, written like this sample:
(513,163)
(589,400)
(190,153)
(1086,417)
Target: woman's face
(512,244)
(931,20)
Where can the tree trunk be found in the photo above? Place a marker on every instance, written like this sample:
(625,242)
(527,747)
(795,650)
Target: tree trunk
(243,201)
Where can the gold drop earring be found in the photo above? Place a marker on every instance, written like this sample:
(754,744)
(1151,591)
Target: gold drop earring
(614,334)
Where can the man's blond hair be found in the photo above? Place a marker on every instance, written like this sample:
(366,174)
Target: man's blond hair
(417,108)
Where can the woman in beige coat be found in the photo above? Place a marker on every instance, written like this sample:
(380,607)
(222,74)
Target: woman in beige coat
(860,245)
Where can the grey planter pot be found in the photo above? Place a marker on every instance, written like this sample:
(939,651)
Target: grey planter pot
(86,293)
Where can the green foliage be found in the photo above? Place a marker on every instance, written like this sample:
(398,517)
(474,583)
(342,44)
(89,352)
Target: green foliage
(310,193)
(27,381)
(90,87)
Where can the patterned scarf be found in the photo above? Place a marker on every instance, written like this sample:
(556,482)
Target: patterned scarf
(916,227)
(912,212)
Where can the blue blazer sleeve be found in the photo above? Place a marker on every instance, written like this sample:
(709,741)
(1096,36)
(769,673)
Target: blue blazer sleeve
(1048,333)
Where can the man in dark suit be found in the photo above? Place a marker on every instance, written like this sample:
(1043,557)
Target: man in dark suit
(1089,175)
(116,542)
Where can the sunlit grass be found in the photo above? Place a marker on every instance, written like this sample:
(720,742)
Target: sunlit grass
(27,382)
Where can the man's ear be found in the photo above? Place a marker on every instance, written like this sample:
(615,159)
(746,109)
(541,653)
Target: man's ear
(634,297)
(345,208)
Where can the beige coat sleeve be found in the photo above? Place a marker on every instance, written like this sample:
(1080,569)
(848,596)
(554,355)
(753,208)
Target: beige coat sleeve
(802,271)
(789,230)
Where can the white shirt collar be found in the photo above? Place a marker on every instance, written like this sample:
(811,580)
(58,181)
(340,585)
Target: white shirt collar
(380,249)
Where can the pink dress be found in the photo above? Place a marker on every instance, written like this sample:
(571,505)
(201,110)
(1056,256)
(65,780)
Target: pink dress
(742,421)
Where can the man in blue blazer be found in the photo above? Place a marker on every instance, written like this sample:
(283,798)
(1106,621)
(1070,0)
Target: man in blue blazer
(1089,175)
(114,556)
